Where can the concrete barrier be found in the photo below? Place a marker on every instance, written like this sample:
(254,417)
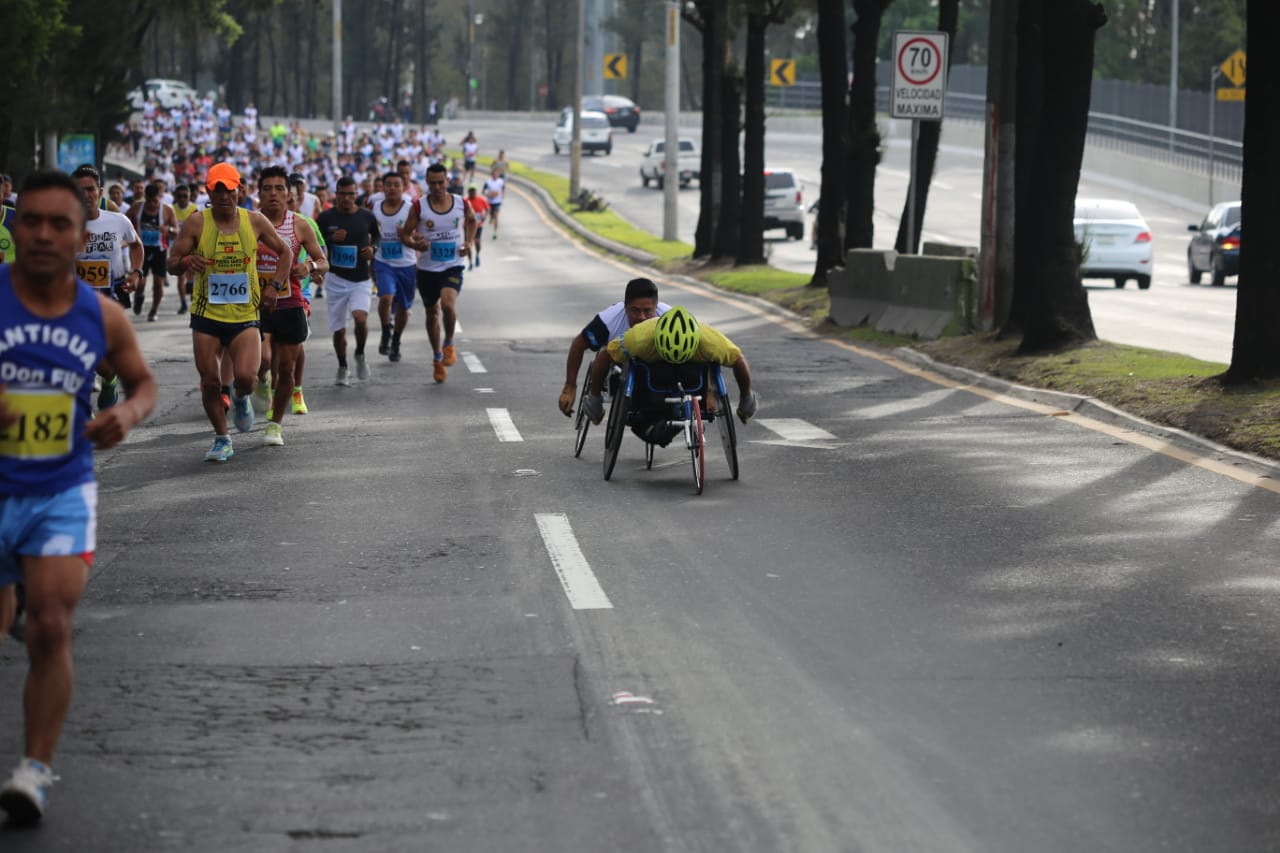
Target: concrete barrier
(927,296)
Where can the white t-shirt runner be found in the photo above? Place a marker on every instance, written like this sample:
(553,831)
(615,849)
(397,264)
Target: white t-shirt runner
(105,260)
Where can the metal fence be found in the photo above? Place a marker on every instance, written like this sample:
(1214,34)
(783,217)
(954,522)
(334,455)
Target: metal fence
(1131,117)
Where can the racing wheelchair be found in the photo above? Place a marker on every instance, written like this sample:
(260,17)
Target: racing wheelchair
(684,397)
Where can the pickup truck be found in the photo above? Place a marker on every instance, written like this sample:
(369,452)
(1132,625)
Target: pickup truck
(653,166)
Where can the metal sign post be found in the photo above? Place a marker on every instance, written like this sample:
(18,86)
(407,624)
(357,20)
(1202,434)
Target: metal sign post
(918,92)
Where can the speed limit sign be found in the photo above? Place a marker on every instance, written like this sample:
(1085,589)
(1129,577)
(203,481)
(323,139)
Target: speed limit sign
(919,75)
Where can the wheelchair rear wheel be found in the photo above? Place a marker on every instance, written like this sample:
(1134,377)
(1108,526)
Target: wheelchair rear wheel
(581,422)
(697,447)
(728,432)
(614,430)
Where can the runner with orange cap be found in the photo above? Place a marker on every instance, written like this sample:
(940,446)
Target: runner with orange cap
(220,245)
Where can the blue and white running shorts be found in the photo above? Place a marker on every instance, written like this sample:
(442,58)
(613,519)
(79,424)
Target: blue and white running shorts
(58,525)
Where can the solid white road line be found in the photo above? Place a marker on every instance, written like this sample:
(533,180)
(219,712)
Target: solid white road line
(579,582)
(503,425)
(794,429)
(473,363)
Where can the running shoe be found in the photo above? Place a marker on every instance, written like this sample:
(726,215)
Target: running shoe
(362,367)
(137,302)
(110,393)
(221,450)
(182,308)
(262,394)
(243,413)
(343,377)
(438,370)
(273,436)
(151,318)
(384,345)
(299,404)
(394,355)
(450,355)
(26,795)
(477,260)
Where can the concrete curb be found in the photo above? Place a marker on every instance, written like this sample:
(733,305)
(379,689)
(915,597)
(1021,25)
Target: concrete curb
(646,259)
(548,203)
(1094,408)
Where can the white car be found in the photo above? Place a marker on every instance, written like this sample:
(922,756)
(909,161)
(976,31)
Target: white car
(654,164)
(1115,241)
(596,134)
(167,94)
(784,202)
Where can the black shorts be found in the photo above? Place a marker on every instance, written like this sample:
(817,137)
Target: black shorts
(153,263)
(431,282)
(224,332)
(286,325)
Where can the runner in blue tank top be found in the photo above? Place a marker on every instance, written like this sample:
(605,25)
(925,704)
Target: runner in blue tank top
(54,331)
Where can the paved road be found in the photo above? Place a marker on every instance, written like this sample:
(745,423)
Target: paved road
(923,619)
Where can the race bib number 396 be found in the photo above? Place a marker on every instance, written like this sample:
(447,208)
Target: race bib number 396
(44,426)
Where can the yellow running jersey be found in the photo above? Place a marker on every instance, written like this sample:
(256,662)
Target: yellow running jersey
(228,291)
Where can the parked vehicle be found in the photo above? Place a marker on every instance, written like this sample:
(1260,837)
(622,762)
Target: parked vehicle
(653,166)
(166,93)
(1115,241)
(596,134)
(622,112)
(1216,246)
(784,202)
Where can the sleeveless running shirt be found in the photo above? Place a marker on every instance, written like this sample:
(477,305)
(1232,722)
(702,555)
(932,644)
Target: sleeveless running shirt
(47,366)
(391,251)
(228,291)
(269,260)
(445,233)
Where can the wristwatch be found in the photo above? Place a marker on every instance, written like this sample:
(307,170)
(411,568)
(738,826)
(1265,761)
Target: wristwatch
(131,272)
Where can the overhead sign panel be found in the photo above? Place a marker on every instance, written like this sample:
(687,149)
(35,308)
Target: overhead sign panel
(919,85)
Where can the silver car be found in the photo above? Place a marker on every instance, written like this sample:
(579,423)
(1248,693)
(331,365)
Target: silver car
(1115,241)
(784,202)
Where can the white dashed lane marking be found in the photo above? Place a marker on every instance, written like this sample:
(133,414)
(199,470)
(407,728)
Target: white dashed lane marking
(503,425)
(579,582)
(794,429)
(473,363)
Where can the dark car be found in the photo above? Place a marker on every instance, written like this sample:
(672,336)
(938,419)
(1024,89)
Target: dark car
(622,112)
(1215,248)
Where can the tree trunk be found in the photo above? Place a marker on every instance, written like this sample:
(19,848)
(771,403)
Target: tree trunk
(714,47)
(1055,67)
(729,222)
(750,249)
(833,60)
(864,136)
(926,148)
(1254,353)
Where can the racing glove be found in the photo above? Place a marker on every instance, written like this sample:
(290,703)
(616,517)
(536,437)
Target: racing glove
(747,406)
(593,405)
(566,400)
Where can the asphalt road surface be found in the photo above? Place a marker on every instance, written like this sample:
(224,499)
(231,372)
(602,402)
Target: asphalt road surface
(925,619)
